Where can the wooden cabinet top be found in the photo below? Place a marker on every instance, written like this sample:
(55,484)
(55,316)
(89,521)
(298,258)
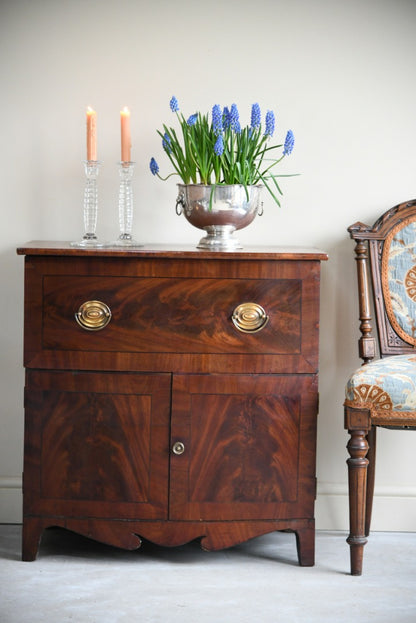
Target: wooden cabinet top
(174,251)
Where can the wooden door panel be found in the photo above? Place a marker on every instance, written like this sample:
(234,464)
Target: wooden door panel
(232,451)
(245,440)
(93,449)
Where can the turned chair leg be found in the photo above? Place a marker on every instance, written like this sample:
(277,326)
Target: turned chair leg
(371,472)
(357,483)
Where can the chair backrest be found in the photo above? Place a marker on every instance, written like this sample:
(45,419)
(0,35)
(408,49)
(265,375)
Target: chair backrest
(389,247)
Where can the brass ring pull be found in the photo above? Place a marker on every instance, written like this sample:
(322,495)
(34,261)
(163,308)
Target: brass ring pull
(93,315)
(178,448)
(249,317)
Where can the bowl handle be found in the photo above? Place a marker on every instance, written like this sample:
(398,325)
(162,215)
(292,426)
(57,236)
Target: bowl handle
(180,204)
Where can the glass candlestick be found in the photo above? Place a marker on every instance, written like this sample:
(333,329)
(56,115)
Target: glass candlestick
(125,206)
(90,206)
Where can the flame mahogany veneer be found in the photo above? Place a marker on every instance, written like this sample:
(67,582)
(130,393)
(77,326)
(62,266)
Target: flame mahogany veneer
(105,408)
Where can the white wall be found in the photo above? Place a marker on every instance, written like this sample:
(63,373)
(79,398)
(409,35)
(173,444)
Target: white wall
(340,74)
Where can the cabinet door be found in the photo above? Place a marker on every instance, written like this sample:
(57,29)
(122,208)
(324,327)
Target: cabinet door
(249,447)
(97,444)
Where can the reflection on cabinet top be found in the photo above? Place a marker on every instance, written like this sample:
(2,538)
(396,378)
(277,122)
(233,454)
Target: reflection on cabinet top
(173,251)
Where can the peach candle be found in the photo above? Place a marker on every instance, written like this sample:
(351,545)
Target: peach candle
(91,134)
(125,135)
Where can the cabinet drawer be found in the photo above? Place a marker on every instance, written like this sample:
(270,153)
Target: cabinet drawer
(167,315)
(172,316)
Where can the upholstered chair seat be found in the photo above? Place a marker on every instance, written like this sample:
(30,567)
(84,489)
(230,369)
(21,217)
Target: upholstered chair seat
(386,387)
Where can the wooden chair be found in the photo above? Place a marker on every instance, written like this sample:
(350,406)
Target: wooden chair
(382,392)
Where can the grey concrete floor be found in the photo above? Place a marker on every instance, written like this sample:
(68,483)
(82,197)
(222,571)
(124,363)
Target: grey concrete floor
(80,581)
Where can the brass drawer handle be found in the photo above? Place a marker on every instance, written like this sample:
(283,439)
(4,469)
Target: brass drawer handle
(93,315)
(178,448)
(249,317)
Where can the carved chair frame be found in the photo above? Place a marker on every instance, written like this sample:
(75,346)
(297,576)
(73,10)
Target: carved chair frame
(361,422)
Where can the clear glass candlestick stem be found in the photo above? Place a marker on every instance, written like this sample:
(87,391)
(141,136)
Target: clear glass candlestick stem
(125,206)
(90,239)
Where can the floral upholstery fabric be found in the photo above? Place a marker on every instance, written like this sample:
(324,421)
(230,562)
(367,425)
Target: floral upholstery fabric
(387,384)
(399,280)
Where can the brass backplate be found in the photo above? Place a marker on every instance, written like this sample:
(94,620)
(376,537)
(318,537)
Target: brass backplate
(249,317)
(93,315)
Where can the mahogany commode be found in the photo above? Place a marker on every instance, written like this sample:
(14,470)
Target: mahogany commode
(171,394)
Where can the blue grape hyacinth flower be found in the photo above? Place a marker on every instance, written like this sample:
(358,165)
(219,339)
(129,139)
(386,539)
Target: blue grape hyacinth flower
(174,106)
(226,118)
(167,143)
(255,117)
(235,119)
(192,119)
(217,120)
(154,167)
(269,123)
(289,143)
(219,146)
